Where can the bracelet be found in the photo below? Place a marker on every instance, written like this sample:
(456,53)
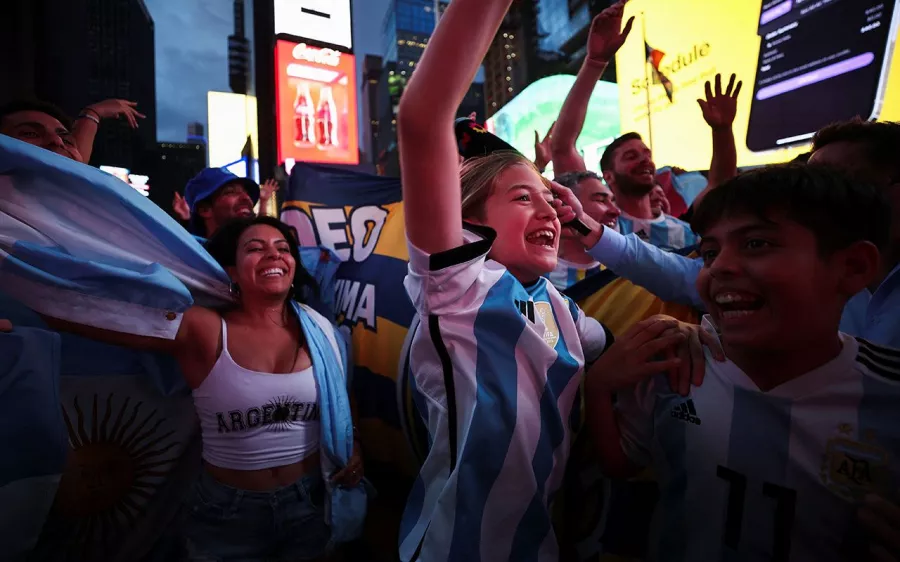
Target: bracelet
(94,111)
(89,117)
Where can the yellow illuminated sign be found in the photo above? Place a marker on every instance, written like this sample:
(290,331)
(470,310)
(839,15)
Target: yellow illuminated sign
(232,118)
(701,38)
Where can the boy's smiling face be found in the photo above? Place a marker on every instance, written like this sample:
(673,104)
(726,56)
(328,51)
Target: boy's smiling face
(766,284)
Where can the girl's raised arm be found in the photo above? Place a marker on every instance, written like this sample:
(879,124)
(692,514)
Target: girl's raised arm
(429,159)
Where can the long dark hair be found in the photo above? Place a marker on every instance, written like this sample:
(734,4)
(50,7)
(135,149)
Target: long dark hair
(223,247)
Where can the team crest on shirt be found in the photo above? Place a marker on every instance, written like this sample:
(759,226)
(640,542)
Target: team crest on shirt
(541,314)
(544,311)
(851,469)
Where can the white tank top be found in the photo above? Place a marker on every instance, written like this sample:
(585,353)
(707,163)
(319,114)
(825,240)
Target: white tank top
(251,420)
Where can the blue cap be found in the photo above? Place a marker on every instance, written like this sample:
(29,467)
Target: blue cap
(207,182)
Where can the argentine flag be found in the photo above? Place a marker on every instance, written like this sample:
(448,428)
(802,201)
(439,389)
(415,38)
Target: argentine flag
(99,443)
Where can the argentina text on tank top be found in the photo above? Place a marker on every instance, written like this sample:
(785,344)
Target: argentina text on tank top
(251,420)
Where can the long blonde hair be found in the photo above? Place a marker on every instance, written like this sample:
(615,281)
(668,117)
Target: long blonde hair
(479,178)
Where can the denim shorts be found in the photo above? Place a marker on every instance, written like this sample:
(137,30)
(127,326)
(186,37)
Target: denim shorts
(225,524)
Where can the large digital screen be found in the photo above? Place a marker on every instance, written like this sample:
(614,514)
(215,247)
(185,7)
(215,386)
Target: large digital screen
(538,106)
(315,104)
(232,118)
(327,21)
(804,64)
(138,182)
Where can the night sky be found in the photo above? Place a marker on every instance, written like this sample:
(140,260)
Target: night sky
(192,54)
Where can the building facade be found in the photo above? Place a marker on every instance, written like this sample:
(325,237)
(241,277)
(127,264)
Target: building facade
(371,90)
(407,27)
(170,166)
(73,54)
(511,63)
(538,38)
(563,27)
(196,133)
(238,53)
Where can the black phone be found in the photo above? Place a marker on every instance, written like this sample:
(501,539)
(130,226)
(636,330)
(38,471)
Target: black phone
(820,61)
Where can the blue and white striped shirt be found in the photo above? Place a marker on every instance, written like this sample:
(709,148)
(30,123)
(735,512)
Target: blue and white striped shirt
(777,475)
(664,231)
(568,273)
(499,365)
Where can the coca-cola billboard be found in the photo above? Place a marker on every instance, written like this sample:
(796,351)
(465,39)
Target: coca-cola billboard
(315,104)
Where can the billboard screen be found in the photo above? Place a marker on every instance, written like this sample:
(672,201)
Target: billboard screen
(138,182)
(327,21)
(804,64)
(538,106)
(315,100)
(232,118)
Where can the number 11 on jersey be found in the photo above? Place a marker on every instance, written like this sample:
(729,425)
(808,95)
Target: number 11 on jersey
(785,502)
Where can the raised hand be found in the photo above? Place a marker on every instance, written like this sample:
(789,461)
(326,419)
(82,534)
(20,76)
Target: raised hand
(267,189)
(114,108)
(542,153)
(632,358)
(180,207)
(605,37)
(720,108)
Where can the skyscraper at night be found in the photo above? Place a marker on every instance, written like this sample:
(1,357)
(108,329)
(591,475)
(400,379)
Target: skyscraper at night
(73,54)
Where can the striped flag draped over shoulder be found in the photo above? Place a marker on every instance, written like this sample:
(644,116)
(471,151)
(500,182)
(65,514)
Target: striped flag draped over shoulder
(359,217)
(100,442)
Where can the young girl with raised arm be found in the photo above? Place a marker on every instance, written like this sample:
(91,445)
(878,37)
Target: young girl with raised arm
(499,353)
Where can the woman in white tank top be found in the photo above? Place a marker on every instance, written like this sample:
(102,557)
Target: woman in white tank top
(261,494)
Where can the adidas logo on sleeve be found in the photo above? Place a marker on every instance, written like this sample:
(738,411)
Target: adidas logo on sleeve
(686,412)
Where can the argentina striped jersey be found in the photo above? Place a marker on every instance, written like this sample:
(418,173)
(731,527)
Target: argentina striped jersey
(664,231)
(498,365)
(568,273)
(779,475)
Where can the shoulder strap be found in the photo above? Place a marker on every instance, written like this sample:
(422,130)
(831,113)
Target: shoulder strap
(224,335)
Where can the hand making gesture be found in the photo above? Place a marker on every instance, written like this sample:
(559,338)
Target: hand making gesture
(115,109)
(720,108)
(542,153)
(606,38)
(180,207)
(267,189)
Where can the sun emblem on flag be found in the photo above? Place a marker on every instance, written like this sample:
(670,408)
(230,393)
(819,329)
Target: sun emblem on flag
(113,471)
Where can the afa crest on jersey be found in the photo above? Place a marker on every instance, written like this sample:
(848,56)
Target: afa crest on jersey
(851,469)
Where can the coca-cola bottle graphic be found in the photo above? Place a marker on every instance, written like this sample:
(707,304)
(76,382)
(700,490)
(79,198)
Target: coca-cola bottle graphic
(326,119)
(304,117)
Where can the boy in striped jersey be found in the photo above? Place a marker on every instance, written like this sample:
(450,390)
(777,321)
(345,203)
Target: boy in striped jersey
(773,455)
(599,203)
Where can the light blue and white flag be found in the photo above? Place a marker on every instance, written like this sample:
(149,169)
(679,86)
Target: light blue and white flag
(80,245)
(121,442)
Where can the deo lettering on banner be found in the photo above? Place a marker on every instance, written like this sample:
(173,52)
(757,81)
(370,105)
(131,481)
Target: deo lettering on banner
(353,234)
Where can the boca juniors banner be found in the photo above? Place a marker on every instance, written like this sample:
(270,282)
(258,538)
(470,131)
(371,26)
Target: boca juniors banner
(360,218)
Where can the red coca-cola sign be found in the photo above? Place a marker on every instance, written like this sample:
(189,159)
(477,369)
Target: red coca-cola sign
(315,104)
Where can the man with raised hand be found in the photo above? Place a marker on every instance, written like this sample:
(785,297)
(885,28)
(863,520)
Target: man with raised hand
(627,163)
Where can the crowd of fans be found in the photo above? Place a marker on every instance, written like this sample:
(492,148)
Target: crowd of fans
(769,430)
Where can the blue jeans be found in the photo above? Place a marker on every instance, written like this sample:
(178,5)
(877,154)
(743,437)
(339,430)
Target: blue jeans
(225,524)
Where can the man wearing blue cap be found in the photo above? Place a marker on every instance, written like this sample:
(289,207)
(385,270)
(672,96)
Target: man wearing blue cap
(215,196)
